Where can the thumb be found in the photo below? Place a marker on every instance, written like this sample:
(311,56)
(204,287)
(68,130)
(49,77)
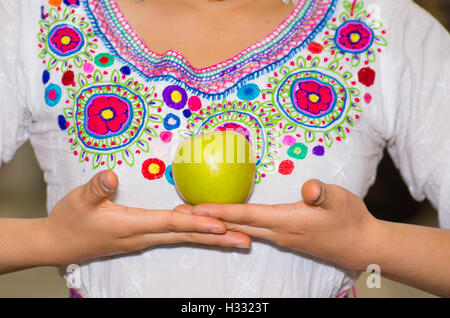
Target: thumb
(100,187)
(320,194)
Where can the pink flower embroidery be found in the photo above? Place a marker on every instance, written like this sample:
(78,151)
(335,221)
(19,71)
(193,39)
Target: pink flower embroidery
(66,40)
(313,97)
(107,114)
(236,128)
(354,37)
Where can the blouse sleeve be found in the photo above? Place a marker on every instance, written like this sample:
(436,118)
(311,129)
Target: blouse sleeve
(420,140)
(14,118)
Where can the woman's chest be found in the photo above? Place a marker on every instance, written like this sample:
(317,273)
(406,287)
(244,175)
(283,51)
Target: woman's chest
(298,96)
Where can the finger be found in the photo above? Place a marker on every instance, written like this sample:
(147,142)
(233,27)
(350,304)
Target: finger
(100,187)
(326,196)
(311,191)
(184,208)
(165,221)
(228,239)
(258,215)
(262,233)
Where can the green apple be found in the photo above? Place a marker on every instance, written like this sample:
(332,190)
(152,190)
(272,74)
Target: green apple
(217,167)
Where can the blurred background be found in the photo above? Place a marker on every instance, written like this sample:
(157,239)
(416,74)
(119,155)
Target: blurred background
(22,195)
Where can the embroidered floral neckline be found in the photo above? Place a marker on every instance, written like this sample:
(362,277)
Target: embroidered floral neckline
(293,34)
(96,81)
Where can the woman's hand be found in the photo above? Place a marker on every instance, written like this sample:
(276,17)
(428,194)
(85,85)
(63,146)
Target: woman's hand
(85,224)
(332,223)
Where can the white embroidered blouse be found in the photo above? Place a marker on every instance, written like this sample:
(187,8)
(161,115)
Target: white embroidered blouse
(319,97)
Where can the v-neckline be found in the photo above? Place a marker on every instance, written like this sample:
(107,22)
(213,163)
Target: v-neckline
(301,26)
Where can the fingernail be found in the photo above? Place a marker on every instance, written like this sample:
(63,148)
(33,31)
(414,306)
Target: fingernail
(317,200)
(242,246)
(217,229)
(198,211)
(104,182)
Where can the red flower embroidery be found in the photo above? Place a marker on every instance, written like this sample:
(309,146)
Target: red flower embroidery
(315,48)
(153,169)
(68,78)
(313,97)
(286,167)
(366,76)
(107,114)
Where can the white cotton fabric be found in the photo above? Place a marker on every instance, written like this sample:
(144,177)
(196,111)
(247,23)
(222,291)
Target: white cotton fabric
(14,119)
(409,115)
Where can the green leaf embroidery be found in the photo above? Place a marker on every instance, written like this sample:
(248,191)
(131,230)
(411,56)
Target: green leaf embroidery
(155,118)
(44,24)
(347,5)
(54,14)
(82,80)
(68,112)
(111,161)
(359,6)
(361,15)
(380,41)
(96,161)
(128,157)
(143,145)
